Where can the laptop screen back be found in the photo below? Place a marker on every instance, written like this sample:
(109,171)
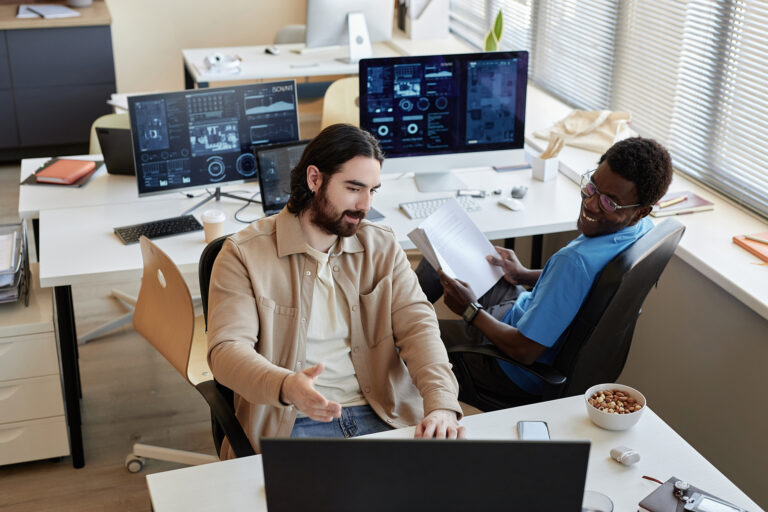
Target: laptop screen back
(275,164)
(117,149)
(425,475)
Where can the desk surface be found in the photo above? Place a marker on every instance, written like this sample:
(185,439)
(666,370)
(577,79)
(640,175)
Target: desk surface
(258,65)
(239,484)
(87,251)
(96,14)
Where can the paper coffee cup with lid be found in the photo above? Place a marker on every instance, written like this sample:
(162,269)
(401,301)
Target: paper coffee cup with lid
(213,224)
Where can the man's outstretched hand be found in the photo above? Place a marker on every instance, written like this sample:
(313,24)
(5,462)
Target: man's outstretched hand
(299,389)
(440,424)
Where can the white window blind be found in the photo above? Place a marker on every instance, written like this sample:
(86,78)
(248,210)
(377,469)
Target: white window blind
(692,74)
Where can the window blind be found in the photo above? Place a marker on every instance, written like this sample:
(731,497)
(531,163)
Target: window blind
(692,74)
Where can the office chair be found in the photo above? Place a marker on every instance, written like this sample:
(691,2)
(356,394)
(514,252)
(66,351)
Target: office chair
(291,34)
(341,103)
(599,338)
(165,316)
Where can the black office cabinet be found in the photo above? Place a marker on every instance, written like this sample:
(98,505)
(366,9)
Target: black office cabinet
(54,82)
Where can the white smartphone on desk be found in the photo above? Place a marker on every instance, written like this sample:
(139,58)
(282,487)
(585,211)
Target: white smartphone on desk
(533,430)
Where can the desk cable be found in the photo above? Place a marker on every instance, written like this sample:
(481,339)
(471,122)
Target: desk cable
(248,203)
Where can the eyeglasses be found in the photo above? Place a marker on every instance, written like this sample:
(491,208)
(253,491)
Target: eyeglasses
(588,189)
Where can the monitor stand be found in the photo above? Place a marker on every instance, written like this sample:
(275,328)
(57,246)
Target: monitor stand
(438,182)
(217,195)
(359,42)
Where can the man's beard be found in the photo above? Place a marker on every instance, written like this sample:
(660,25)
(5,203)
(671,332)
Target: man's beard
(326,217)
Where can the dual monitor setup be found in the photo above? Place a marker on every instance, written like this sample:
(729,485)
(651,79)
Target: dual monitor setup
(429,113)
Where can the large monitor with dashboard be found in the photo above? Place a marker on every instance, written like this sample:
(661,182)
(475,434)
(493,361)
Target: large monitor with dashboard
(435,113)
(329,24)
(204,137)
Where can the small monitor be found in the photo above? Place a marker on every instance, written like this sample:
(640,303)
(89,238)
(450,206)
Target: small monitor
(204,137)
(329,24)
(435,113)
(275,164)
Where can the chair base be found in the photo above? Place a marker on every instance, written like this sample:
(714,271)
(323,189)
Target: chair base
(136,460)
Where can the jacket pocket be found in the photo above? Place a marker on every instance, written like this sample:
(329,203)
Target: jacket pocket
(277,327)
(376,313)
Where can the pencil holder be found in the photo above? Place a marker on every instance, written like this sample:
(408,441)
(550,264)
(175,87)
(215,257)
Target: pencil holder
(544,169)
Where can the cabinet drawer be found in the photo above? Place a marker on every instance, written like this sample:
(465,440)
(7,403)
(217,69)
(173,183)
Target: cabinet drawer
(28,399)
(32,355)
(32,440)
(49,57)
(5,71)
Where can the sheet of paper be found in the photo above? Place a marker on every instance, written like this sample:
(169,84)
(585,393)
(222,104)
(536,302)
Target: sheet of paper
(7,250)
(461,247)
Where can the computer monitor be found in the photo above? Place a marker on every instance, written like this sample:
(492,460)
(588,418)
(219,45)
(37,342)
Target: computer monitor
(204,137)
(329,24)
(435,113)
(276,162)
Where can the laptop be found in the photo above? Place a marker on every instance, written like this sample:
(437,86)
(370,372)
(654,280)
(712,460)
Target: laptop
(117,149)
(423,474)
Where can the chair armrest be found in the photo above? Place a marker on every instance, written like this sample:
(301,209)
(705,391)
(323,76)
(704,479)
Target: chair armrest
(226,418)
(544,372)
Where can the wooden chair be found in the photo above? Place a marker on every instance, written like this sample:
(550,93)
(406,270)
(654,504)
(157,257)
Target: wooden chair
(165,316)
(341,103)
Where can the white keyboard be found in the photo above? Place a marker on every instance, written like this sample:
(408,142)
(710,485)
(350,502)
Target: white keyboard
(426,207)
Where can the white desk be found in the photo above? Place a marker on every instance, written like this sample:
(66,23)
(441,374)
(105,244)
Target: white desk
(256,64)
(239,484)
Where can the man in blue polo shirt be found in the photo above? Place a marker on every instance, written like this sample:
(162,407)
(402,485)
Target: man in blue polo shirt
(531,325)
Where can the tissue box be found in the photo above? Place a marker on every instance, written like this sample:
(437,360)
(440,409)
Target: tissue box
(544,170)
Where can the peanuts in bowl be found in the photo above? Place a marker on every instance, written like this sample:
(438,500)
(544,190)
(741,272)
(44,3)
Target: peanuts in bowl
(614,401)
(614,406)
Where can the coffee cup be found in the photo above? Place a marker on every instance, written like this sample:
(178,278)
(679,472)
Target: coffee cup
(213,224)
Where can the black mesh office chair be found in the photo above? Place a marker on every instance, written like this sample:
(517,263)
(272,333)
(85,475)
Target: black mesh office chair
(221,426)
(599,338)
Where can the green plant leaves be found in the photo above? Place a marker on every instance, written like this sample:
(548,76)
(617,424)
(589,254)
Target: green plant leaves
(493,38)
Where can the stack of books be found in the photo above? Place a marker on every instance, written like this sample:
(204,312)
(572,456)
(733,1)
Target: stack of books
(14,263)
(679,203)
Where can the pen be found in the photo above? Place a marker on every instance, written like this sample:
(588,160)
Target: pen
(756,239)
(307,65)
(30,9)
(664,204)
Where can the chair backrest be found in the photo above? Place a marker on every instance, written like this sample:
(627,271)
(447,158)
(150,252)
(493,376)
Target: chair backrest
(106,121)
(599,338)
(291,34)
(164,312)
(341,103)
(207,259)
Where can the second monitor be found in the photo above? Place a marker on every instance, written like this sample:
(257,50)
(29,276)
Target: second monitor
(435,113)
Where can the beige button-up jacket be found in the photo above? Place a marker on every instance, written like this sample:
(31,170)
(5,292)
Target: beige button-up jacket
(260,298)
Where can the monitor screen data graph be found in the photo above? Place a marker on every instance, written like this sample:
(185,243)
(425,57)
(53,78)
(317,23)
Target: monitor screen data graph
(435,113)
(203,137)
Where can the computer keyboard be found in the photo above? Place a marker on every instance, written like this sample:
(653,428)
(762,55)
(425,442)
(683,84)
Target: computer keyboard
(158,228)
(424,208)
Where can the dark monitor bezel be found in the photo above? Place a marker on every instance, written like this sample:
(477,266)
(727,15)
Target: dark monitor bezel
(244,148)
(271,147)
(520,99)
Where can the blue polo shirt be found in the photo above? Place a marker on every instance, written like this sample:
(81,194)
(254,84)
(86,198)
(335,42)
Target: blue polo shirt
(544,313)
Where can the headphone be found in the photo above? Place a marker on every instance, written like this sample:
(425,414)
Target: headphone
(219,63)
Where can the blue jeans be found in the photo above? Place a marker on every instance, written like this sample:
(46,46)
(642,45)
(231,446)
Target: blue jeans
(354,421)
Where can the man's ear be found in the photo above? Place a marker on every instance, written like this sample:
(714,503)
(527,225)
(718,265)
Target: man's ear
(314,178)
(642,211)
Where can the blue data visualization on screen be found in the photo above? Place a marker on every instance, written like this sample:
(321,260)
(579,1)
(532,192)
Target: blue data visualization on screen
(436,104)
(204,137)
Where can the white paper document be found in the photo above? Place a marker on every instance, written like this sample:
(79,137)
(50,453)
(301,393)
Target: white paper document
(47,11)
(449,239)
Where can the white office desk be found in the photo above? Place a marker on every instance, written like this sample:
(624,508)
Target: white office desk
(256,64)
(239,484)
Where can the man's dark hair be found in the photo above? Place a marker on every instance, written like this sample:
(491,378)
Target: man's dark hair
(332,147)
(644,162)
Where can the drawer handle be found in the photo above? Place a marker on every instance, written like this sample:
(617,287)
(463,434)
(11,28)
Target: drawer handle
(7,436)
(7,392)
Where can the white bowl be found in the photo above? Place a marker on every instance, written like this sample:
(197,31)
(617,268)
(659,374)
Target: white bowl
(613,421)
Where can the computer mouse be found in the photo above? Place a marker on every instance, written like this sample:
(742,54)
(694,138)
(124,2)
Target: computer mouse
(511,203)
(272,50)
(519,191)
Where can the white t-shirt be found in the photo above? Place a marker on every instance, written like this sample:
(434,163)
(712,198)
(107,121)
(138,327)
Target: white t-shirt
(328,338)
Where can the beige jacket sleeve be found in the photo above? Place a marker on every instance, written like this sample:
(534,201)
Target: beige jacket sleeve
(233,332)
(417,335)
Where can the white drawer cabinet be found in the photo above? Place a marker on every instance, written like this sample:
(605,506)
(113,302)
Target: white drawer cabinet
(32,422)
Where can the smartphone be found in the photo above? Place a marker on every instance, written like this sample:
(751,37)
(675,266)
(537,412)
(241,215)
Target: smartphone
(533,430)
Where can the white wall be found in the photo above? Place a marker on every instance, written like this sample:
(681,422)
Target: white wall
(148,35)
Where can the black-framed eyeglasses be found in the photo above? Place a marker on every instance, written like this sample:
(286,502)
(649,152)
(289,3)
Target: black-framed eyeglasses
(588,189)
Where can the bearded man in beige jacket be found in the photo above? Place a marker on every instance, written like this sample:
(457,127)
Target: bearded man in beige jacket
(316,320)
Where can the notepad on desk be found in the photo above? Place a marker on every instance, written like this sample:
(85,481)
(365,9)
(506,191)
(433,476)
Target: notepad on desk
(63,171)
(756,243)
(678,203)
(47,11)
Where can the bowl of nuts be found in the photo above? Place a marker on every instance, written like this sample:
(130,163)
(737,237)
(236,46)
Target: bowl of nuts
(614,406)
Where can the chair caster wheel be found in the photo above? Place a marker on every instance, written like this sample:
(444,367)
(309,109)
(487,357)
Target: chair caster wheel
(134,463)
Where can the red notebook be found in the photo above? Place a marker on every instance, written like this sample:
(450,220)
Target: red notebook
(757,248)
(65,172)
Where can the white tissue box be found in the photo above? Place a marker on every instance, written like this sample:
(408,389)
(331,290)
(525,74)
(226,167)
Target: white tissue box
(544,170)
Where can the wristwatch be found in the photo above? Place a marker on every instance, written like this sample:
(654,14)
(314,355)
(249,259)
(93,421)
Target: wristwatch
(471,312)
